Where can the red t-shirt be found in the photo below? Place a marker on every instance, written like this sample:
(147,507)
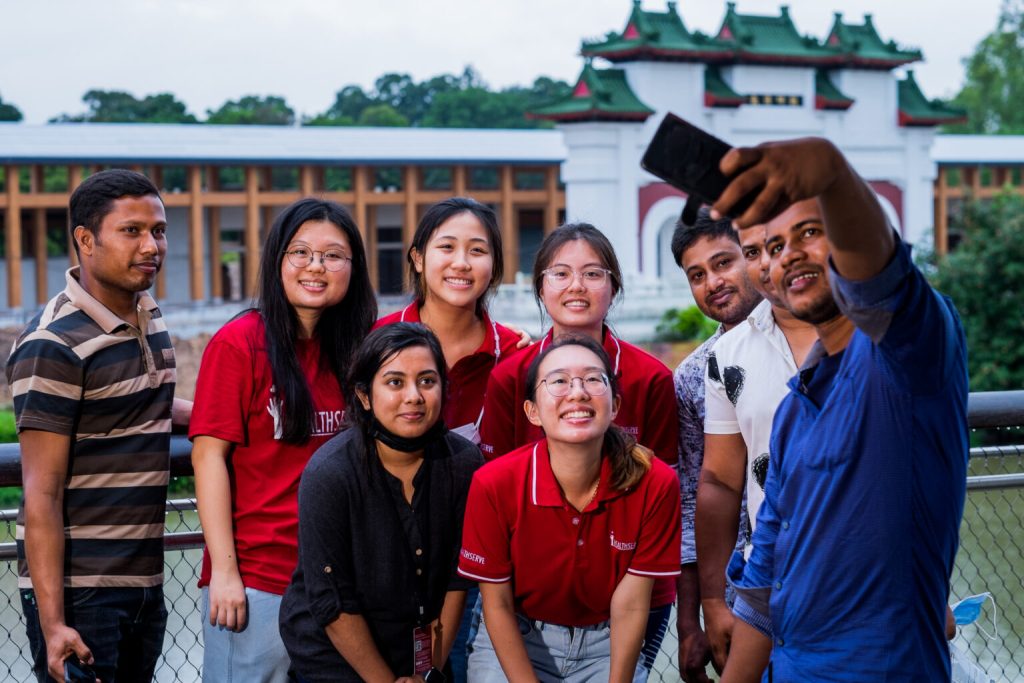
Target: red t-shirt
(564,565)
(467,381)
(234,402)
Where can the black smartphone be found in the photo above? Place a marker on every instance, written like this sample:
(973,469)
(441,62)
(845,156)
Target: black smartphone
(687,158)
(77,672)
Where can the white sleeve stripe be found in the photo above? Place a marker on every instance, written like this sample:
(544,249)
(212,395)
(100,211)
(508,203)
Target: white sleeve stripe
(642,573)
(487,579)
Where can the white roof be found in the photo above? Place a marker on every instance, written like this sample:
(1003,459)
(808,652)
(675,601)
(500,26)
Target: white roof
(978,149)
(204,143)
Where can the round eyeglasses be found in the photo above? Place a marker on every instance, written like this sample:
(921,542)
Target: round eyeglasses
(332,260)
(560,277)
(559,383)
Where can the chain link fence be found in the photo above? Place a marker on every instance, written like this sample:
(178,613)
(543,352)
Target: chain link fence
(990,560)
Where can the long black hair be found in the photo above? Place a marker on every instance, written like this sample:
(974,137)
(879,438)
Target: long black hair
(340,328)
(434,218)
(630,461)
(379,346)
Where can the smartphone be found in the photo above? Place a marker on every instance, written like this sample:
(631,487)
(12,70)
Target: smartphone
(77,672)
(687,158)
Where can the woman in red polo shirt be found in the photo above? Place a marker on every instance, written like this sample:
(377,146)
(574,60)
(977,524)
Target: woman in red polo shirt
(267,396)
(576,277)
(455,262)
(567,535)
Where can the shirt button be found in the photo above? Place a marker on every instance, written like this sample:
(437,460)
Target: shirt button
(785,525)
(576,521)
(327,569)
(419,551)
(419,572)
(780,642)
(579,542)
(778,585)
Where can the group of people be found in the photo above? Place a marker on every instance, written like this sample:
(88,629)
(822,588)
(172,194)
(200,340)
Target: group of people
(429,496)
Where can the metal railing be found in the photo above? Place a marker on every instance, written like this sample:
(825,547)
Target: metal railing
(991,559)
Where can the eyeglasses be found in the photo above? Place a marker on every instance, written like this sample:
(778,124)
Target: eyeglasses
(560,277)
(559,384)
(332,260)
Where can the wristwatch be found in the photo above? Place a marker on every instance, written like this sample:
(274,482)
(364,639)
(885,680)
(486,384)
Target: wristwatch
(435,676)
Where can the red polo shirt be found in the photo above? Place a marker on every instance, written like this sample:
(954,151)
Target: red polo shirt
(648,410)
(564,565)
(467,381)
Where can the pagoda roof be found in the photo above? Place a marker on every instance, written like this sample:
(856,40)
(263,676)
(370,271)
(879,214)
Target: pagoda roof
(656,36)
(864,48)
(917,110)
(599,95)
(764,39)
(718,93)
(827,95)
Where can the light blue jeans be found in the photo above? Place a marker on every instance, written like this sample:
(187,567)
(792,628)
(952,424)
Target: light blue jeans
(254,655)
(558,655)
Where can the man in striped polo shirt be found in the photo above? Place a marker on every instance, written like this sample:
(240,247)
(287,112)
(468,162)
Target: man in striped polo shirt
(93,383)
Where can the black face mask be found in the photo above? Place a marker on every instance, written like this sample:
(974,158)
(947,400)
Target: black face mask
(406,444)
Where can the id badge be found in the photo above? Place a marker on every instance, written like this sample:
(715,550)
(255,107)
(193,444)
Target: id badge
(422,654)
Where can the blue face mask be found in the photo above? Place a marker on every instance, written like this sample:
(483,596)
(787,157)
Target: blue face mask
(968,610)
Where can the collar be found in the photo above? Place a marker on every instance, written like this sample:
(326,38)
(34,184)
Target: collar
(803,376)
(544,488)
(99,313)
(761,317)
(490,347)
(609,341)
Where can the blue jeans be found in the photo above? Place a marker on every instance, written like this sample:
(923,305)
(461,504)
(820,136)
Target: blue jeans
(657,625)
(255,654)
(123,627)
(558,654)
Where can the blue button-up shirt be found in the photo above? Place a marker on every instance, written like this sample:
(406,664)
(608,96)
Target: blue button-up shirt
(855,543)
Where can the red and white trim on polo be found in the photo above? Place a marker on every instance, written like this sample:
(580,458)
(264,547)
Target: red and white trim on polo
(564,565)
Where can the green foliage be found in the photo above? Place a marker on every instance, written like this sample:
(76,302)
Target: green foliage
(8,112)
(8,434)
(253,110)
(985,278)
(382,115)
(115,106)
(994,88)
(686,324)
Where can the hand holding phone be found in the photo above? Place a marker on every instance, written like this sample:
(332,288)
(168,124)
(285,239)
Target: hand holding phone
(688,158)
(77,672)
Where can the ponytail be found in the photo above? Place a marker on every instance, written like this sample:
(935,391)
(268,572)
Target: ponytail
(629,460)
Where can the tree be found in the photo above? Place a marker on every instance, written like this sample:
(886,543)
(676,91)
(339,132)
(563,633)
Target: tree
(116,106)
(985,278)
(8,112)
(349,104)
(994,89)
(382,115)
(253,110)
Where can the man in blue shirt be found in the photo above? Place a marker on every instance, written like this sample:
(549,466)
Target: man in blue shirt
(855,542)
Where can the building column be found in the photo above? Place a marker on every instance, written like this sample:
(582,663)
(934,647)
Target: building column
(39,240)
(459,180)
(941,213)
(213,218)
(509,229)
(12,229)
(195,233)
(252,231)
(74,180)
(551,205)
(306,180)
(370,242)
(410,178)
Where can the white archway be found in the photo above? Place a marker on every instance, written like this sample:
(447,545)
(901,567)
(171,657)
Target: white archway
(658,226)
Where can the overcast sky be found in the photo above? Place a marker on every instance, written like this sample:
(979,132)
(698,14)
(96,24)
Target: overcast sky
(208,51)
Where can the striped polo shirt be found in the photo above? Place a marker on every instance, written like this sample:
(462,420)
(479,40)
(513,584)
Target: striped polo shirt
(82,371)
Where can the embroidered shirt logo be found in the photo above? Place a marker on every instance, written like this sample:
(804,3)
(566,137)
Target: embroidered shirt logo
(622,545)
(473,557)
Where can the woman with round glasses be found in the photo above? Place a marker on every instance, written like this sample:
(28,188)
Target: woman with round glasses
(576,277)
(269,393)
(566,536)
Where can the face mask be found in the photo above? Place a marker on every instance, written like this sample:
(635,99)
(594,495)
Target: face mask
(968,610)
(407,444)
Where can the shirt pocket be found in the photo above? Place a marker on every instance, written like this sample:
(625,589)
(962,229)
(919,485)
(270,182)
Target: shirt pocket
(838,430)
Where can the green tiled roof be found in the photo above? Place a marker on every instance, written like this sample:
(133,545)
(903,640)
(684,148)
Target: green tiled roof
(865,48)
(718,93)
(599,95)
(917,110)
(656,35)
(768,39)
(827,95)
